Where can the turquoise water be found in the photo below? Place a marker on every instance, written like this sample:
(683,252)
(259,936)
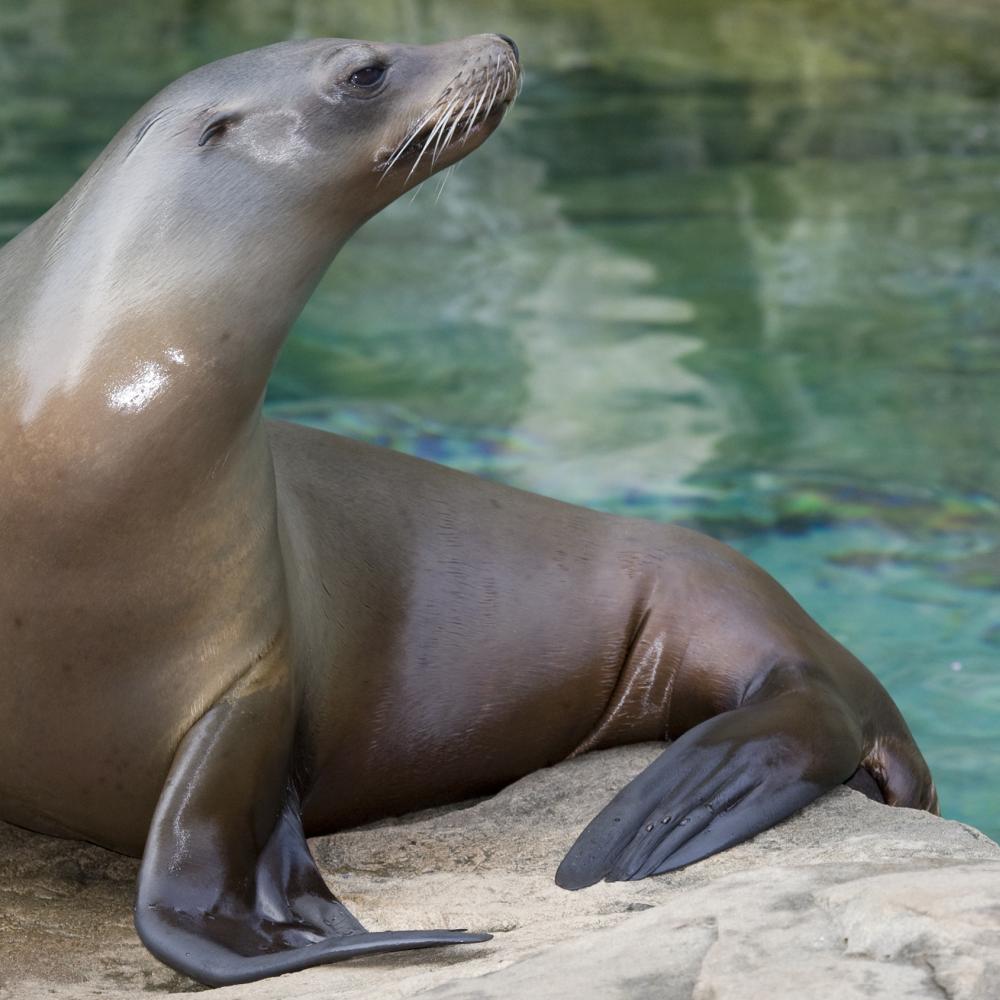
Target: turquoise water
(756,298)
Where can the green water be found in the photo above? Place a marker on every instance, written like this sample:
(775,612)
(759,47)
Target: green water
(731,264)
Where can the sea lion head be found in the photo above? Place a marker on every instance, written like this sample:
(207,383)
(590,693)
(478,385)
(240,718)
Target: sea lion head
(336,125)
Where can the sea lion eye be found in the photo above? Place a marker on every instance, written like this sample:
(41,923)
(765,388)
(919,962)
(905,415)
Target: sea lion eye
(368,76)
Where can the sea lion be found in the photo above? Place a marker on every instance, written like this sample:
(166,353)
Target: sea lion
(221,636)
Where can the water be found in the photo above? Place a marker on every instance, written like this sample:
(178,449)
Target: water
(747,287)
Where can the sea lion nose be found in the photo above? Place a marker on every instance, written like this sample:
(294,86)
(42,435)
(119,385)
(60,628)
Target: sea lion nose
(510,41)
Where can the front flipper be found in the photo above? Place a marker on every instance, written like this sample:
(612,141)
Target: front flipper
(228,891)
(721,782)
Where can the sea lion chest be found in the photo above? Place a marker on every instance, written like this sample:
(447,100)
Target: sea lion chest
(130,599)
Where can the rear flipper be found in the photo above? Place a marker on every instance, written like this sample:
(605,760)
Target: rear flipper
(722,782)
(862,781)
(228,891)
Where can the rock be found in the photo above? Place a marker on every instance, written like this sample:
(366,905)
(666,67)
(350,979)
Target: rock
(847,899)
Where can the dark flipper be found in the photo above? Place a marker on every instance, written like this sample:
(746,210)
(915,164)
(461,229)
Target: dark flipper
(228,891)
(862,781)
(721,782)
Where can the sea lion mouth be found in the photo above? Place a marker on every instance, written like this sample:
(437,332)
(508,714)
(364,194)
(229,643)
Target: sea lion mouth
(467,111)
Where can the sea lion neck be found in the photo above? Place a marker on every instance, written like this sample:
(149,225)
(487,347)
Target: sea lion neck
(151,404)
(119,317)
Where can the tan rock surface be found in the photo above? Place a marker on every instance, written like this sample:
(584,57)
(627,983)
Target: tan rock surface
(847,899)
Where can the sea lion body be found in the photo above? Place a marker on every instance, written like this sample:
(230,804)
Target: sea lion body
(483,632)
(221,635)
(451,634)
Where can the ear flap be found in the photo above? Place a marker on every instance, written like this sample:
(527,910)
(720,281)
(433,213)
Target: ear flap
(218,126)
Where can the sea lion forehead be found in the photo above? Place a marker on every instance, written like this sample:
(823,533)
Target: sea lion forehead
(289,73)
(282,75)
(278,63)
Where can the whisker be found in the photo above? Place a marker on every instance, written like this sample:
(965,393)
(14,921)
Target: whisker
(414,132)
(439,129)
(475,113)
(458,118)
(435,130)
(444,182)
(493,95)
(439,139)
